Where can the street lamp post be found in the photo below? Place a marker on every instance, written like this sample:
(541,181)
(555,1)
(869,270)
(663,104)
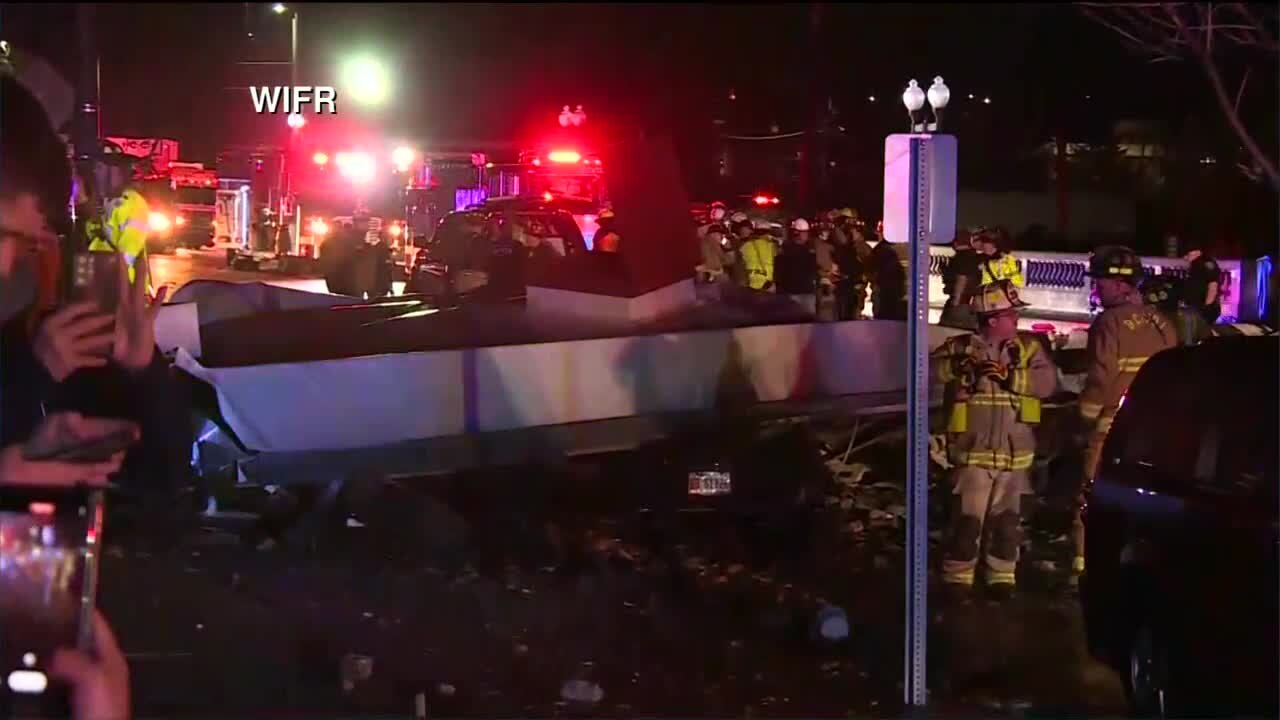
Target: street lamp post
(295,121)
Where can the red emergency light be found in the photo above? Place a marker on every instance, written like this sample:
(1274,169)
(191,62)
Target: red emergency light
(763,200)
(564,156)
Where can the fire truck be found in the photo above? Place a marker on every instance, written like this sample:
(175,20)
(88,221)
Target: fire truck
(184,202)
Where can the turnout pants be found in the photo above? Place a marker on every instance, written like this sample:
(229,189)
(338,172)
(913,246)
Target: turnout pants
(1091,455)
(987,502)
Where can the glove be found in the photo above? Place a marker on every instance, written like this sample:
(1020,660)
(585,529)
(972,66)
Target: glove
(993,370)
(961,365)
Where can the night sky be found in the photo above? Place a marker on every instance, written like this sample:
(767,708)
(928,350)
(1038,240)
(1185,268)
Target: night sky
(491,70)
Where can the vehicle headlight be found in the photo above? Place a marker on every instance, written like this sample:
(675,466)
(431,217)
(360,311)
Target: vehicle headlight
(319,227)
(159,222)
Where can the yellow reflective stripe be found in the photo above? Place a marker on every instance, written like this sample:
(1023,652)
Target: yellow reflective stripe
(944,371)
(1077,565)
(992,460)
(1090,411)
(1000,578)
(1104,424)
(1019,378)
(1131,364)
(958,577)
(1004,401)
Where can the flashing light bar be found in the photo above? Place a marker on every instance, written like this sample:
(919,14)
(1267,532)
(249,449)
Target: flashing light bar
(763,200)
(564,156)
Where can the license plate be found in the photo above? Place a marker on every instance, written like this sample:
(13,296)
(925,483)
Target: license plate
(710,482)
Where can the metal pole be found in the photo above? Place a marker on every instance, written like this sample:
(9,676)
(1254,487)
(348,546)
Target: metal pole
(915,690)
(294,237)
(86,137)
(293,52)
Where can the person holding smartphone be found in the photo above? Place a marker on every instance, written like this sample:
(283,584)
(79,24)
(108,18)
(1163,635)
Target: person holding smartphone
(79,357)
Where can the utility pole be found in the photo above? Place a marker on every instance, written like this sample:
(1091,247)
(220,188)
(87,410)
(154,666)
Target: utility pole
(813,147)
(88,124)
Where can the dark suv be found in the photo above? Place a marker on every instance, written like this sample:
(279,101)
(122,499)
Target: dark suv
(1180,597)
(457,257)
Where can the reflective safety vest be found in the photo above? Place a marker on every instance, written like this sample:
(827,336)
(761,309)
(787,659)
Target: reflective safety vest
(758,254)
(1004,267)
(124,230)
(1028,406)
(996,418)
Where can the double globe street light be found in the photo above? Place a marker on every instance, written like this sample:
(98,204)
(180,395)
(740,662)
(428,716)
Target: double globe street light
(914,98)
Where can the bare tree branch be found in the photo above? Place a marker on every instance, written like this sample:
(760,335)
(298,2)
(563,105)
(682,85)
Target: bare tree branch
(1240,93)
(1187,31)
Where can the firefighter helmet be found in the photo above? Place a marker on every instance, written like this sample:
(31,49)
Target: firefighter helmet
(800,225)
(717,204)
(1116,262)
(761,224)
(849,213)
(738,217)
(605,214)
(997,297)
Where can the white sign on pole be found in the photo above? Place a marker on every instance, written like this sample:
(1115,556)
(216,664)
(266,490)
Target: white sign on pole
(940,222)
(919,209)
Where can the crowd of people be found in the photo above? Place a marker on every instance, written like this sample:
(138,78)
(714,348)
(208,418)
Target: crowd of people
(827,265)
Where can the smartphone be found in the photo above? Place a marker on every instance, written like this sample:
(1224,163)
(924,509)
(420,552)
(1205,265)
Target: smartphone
(95,277)
(48,583)
(91,451)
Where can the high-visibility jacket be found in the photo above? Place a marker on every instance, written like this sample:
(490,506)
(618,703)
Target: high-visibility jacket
(1003,267)
(124,230)
(991,423)
(758,254)
(1121,340)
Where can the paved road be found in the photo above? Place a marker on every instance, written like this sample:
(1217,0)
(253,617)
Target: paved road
(187,265)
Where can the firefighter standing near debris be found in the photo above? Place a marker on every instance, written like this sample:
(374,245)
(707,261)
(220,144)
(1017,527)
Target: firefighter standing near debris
(758,254)
(995,382)
(1123,337)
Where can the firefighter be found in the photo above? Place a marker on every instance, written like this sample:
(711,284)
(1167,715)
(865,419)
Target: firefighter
(996,260)
(715,254)
(1162,293)
(714,217)
(124,224)
(757,252)
(850,277)
(1121,339)
(606,238)
(796,267)
(995,381)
